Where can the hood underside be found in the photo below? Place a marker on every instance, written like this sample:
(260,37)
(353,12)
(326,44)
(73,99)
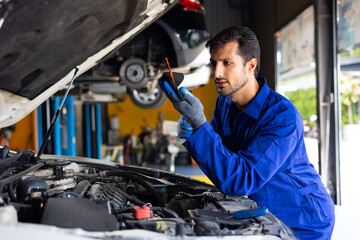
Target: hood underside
(43,41)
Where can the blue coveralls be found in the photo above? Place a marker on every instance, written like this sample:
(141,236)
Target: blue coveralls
(261,153)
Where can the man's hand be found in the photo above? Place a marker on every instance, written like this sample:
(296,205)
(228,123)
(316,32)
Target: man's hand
(191,107)
(184,129)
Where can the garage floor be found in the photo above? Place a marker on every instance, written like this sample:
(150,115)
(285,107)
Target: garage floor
(347,215)
(346,223)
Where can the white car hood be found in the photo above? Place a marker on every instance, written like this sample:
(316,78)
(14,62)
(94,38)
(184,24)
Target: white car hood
(42,42)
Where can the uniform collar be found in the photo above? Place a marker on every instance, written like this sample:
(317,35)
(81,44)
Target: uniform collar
(257,103)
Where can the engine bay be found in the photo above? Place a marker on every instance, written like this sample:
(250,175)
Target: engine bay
(96,197)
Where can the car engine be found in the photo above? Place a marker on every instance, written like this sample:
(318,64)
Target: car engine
(94,196)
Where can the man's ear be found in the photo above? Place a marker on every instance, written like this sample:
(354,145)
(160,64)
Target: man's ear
(251,65)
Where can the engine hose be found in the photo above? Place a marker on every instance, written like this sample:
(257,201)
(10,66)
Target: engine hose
(137,179)
(81,187)
(119,190)
(165,210)
(11,192)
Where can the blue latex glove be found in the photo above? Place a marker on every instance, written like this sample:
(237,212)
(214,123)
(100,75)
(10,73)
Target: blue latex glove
(191,107)
(184,129)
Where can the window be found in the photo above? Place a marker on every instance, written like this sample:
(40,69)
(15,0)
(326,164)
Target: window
(349,77)
(296,76)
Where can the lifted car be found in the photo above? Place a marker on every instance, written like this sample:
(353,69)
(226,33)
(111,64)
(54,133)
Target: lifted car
(180,35)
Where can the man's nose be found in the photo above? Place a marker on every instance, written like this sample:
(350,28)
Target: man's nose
(218,71)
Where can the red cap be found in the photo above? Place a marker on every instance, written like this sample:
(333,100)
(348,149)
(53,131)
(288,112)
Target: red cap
(141,212)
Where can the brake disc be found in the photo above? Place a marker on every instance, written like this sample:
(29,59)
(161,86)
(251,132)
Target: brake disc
(133,73)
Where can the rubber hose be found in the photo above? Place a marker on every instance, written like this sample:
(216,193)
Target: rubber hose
(137,179)
(165,210)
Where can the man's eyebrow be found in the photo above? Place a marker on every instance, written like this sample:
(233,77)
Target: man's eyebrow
(221,59)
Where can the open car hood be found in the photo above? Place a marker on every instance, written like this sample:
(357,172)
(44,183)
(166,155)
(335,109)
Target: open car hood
(43,41)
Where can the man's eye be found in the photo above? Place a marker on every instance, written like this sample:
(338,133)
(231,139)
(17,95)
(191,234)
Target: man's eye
(226,63)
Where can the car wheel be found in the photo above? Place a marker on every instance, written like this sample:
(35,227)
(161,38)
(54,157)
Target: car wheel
(148,100)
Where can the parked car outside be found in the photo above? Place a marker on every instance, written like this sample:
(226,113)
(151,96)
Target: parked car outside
(180,35)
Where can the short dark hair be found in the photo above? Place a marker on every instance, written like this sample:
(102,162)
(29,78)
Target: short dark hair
(248,44)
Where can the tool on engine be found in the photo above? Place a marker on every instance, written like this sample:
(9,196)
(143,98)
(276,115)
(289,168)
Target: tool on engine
(250,213)
(173,83)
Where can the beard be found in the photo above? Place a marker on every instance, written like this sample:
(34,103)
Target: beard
(229,88)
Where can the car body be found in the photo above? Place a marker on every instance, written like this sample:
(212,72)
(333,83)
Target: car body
(179,35)
(44,44)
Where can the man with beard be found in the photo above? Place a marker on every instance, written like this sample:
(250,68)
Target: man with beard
(254,144)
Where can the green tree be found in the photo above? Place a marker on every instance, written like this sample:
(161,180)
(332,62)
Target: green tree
(305,101)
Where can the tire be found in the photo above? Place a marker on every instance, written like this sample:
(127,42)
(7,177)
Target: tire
(148,100)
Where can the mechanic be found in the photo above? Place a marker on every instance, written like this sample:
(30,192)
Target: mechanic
(254,144)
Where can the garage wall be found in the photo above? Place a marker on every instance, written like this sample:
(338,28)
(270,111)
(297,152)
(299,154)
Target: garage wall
(24,134)
(222,14)
(133,119)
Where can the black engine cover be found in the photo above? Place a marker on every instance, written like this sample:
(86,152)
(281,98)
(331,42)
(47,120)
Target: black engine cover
(78,213)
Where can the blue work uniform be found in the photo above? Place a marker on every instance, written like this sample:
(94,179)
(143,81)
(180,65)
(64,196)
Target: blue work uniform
(261,153)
